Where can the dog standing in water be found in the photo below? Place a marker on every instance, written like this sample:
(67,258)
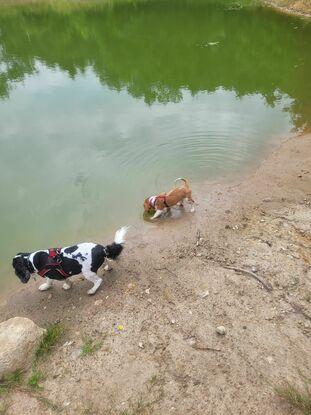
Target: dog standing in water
(62,263)
(164,201)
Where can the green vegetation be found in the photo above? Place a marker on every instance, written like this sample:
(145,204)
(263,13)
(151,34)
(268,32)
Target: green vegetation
(90,346)
(10,381)
(298,399)
(34,379)
(50,338)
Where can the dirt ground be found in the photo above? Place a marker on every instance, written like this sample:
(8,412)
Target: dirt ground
(155,317)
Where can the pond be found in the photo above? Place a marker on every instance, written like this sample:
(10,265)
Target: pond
(102,106)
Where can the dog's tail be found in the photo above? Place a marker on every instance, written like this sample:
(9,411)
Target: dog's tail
(119,237)
(186,181)
(114,250)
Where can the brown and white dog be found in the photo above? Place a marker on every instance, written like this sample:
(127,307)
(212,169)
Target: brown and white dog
(164,201)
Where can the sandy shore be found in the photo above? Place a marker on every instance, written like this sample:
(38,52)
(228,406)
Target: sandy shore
(297,7)
(171,289)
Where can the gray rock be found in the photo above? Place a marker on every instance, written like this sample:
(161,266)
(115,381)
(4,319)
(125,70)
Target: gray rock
(19,338)
(221,330)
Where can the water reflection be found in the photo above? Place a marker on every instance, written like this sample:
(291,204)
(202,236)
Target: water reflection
(156,50)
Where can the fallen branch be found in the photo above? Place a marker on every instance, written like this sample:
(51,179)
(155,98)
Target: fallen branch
(266,285)
(205,348)
(166,269)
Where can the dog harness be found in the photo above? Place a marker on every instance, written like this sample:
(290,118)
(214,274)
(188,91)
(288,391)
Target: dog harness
(152,200)
(54,263)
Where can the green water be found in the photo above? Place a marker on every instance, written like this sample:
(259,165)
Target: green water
(100,107)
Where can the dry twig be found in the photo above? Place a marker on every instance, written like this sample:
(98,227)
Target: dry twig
(266,285)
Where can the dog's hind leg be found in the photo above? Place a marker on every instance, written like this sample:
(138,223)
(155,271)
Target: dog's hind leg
(45,286)
(95,279)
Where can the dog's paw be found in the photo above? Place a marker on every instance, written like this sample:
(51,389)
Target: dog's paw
(91,291)
(66,286)
(45,286)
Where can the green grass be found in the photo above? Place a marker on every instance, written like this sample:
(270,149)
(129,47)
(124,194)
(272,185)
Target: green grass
(296,398)
(89,346)
(10,381)
(34,380)
(50,338)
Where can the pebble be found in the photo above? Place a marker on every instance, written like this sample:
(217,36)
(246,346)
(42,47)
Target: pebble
(147,291)
(140,344)
(221,330)
(205,294)
(98,302)
(50,296)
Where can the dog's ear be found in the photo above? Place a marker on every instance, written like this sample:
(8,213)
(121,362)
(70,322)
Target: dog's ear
(18,263)
(20,268)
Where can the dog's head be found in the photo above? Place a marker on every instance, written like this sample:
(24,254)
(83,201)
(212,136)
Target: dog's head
(147,206)
(114,250)
(20,267)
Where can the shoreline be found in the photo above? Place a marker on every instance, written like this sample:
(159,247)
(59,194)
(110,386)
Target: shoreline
(171,289)
(272,145)
(303,10)
(290,7)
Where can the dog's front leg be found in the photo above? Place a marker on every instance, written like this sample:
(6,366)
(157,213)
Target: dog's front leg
(45,286)
(95,279)
(191,201)
(108,267)
(157,214)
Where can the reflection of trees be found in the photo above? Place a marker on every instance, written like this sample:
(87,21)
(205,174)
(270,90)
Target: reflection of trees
(154,54)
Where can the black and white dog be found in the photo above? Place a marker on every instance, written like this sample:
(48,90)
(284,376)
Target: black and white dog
(62,263)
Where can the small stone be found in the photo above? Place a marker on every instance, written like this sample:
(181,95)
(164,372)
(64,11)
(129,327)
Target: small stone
(244,327)
(140,344)
(131,285)
(50,296)
(267,199)
(98,302)
(173,321)
(205,294)
(191,341)
(221,330)
(147,291)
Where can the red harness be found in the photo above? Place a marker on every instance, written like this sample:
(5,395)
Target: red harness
(53,263)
